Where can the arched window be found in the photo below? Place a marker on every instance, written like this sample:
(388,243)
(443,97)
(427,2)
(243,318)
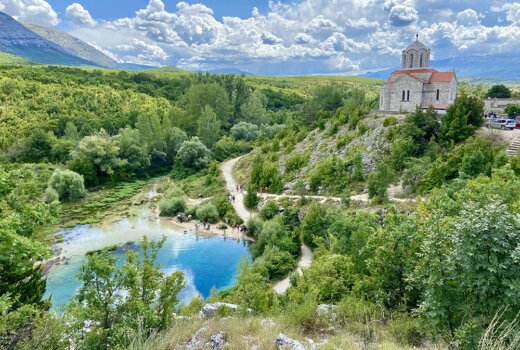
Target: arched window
(420,62)
(408,95)
(437,97)
(403,96)
(411,60)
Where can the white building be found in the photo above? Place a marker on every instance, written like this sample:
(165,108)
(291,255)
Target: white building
(415,84)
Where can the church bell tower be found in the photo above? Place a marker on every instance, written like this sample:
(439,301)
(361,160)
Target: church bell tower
(416,56)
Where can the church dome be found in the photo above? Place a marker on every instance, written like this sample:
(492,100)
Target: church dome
(417,45)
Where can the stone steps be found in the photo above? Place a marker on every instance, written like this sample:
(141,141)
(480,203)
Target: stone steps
(513,147)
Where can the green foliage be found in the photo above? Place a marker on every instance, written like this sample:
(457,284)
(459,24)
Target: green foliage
(254,226)
(251,199)
(208,126)
(313,224)
(265,174)
(467,268)
(269,210)
(389,121)
(499,91)
(172,206)
(295,162)
(207,212)
(277,263)
(227,147)
(193,154)
(512,110)
(68,184)
(116,320)
(378,182)
(253,111)
(461,119)
(245,131)
(51,195)
(132,148)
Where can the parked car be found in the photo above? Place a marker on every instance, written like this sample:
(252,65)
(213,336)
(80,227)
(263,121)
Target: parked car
(501,124)
(518,123)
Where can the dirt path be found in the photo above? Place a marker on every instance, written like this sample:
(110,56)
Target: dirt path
(227,172)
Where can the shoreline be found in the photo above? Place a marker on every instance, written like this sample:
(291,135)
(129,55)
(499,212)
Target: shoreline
(189,227)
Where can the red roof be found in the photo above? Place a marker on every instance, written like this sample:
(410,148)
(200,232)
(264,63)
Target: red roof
(442,77)
(436,77)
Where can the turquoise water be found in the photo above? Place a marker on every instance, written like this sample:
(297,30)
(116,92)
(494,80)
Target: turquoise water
(207,261)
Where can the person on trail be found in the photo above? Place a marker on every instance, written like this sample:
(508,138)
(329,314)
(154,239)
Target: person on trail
(237,188)
(233,199)
(240,188)
(189,218)
(265,189)
(200,195)
(261,190)
(227,220)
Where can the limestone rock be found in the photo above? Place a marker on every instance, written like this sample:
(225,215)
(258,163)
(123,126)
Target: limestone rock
(284,342)
(217,341)
(325,310)
(209,310)
(196,339)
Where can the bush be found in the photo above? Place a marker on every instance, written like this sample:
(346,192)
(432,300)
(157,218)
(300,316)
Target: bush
(254,227)
(51,195)
(405,330)
(193,154)
(378,182)
(251,199)
(245,131)
(270,210)
(207,212)
(68,184)
(294,162)
(277,263)
(172,206)
(389,121)
(174,192)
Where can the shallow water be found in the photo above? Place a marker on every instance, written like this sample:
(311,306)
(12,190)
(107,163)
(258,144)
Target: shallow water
(207,261)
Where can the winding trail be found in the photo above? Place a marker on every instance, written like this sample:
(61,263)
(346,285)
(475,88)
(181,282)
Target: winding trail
(231,185)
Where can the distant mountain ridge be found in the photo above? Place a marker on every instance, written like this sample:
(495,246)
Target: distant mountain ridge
(501,66)
(73,45)
(17,40)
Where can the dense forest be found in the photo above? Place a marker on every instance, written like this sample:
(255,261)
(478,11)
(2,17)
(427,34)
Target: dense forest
(438,268)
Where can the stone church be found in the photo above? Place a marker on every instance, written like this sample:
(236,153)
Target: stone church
(415,84)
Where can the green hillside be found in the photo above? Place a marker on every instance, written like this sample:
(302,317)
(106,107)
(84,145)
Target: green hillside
(168,69)
(72,45)
(6,58)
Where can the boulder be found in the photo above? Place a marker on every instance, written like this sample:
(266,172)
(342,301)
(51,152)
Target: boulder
(325,310)
(217,341)
(209,310)
(196,339)
(284,342)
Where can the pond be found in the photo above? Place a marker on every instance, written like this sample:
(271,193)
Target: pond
(207,261)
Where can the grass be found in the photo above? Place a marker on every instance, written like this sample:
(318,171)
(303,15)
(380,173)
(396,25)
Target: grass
(6,58)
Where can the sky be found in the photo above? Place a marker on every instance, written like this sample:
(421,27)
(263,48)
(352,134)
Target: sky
(346,37)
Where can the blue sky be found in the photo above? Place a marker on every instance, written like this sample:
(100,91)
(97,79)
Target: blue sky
(279,37)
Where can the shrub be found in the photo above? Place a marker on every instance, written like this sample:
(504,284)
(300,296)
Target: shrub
(207,212)
(294,162)
(270,210)
(254,226)
(245,131)
(405,330)
(251,199)
(51,195)
(174,192)
(68,184)
(378,182)
(389,121)
(277,263)
(172,206)
(193,154)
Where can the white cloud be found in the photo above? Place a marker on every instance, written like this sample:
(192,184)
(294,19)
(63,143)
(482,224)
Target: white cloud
(38,11)
(322,36)
(79,15)
(468,17)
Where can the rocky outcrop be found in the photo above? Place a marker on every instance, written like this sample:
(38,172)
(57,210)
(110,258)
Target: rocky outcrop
(210,310)
(283,342)
(196,339)
(217,341)
(329,311)
(267,323)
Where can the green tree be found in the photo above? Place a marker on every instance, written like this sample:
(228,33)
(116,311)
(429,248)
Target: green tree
(98,152)
(193,154)
(251,199)
(461,119)
(499,91)
(314,223)
(133,149)
(269,210)
(253,111)
(245,131)
(208,128)
(378,182)
(69,185)
(199,96)
(122,304)
(512,110)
